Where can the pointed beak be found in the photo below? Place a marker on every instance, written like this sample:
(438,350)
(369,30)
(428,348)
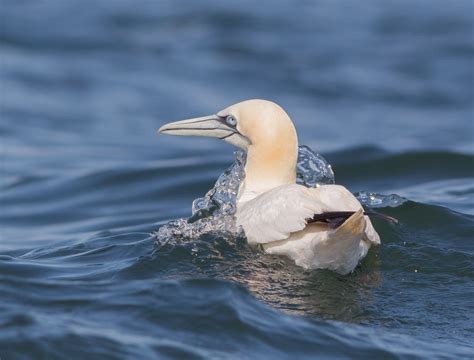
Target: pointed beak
(210,126)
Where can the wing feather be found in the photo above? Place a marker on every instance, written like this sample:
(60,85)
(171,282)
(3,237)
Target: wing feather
(277,213)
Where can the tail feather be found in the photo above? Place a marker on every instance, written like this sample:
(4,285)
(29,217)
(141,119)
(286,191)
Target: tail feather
(341,251)
(354,225)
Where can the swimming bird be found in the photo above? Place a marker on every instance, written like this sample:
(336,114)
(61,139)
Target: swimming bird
(323,227)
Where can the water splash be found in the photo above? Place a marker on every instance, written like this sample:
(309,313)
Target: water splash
(313,170)
(375,200)
(222,198)
(215,211)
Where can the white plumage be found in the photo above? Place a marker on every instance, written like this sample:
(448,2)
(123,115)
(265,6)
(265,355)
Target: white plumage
(277,219)
(272,209)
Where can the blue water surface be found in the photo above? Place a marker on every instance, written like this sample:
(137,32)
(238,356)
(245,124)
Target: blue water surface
(383,89)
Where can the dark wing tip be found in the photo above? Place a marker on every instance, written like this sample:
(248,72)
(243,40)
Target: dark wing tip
(337,218)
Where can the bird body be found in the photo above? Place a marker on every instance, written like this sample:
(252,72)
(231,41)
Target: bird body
(278,220)
(273,210)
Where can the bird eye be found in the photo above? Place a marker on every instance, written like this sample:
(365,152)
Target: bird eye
(231,121)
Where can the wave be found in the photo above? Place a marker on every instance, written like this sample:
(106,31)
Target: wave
(198,318)
(374,166)
(217,284)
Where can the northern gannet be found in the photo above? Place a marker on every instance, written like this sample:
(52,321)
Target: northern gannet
(282,217)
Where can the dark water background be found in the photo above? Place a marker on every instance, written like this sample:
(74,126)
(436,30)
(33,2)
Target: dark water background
(384,89)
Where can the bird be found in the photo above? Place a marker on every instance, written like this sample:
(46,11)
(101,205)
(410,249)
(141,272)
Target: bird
(317,228)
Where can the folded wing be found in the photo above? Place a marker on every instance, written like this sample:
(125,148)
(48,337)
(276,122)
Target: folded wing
(277,213)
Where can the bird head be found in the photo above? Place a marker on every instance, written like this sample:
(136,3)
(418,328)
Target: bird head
(261,128)
(247,123)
